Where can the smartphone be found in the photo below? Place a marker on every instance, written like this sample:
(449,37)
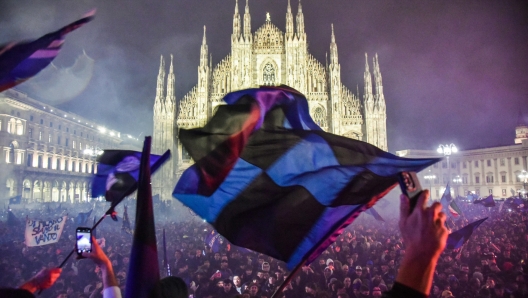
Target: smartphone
(410,186)
(84,240)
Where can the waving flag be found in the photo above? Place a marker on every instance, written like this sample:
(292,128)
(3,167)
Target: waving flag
(458,238)
(487,202)
(82,217)
(143,270)
(269,179)
(125,227)
(118,173)
(454,211)
(214,241)
(375,214)
(446,197)
(21,61)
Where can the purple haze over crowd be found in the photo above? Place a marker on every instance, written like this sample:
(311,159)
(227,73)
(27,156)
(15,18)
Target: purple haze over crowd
(453,71)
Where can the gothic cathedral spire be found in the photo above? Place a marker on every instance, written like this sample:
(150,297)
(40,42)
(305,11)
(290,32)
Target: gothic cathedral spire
(368,84)
(170,102)
(160,87)
(247,23)
(300,23)
(236,23)
(289,22)
(333,49)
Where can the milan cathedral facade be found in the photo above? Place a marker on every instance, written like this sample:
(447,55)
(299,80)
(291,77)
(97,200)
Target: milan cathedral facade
(270,57)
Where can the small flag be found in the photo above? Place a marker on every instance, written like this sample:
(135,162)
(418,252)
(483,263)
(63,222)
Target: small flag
(446,197)
(269,179)
(458,238)
(125,227)
(375,214)
(82,218)
(214,241)
(512,192)
(454,211)
(487,202)
(20,61)
(471,196)
(15,200)
(118,173)
(143,271)
(12,220)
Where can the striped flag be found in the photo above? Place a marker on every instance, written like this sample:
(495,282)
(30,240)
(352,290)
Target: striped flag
(269,179)
(20,61)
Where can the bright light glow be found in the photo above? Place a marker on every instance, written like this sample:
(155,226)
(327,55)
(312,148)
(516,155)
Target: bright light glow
(88,151)
(439,150)
(65,116)
(447,149)
(112,133)
(102,129)
(51,110)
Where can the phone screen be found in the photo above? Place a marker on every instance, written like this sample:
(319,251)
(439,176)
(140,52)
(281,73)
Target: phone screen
(84,240)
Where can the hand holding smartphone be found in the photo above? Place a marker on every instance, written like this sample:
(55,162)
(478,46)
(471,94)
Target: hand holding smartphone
(410,186)
(84,240)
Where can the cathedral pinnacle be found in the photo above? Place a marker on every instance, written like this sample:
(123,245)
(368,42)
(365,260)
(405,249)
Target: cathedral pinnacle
(333,36)
(204,41)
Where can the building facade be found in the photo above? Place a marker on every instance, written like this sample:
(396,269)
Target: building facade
(495,170)
(269,57)
(49,155)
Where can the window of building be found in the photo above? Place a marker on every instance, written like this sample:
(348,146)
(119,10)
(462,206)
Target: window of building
(80,146)
(73,144)
(490,191)
(503,192)
(10,158)
(268,75)
(41,121)
(320,117)
(435,166)
(465,179)
(516,161)
(453,165)
(476,163)
(29,161)
(30,133)
(58,165)
(49,138)
(503,178)
(51,124)
(477,179)
(444,179)
(49,162)
(488,162)
(67,129)
(40,135)
(74,131)
(79,168)
(436,180)
(464,165)
(502,162)
(489,178)
(13,112)
(59,140)
(437,193)
(40,161)
(444,165)
(477,191)
(60,126)
(31,118)
(67,142)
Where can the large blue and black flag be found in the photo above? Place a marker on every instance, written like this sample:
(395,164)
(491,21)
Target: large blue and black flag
(269,179)
(118,173)
(20,61)
(458,238)
(214,241)
(15,200)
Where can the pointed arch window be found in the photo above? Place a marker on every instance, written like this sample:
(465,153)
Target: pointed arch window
(268,75)
(320,117)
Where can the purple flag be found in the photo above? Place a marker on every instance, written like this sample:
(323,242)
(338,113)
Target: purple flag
(458,238)
(20,61)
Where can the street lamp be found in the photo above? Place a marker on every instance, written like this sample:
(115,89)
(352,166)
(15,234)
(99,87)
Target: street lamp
(430,178)
(447,150)
(524,178)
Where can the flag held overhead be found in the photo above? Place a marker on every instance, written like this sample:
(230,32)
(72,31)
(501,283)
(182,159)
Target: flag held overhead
(269,179)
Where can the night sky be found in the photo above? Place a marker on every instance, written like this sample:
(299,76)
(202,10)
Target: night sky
(453,71)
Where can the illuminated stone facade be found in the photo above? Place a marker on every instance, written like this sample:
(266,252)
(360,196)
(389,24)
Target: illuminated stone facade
(270,57)
(48,155)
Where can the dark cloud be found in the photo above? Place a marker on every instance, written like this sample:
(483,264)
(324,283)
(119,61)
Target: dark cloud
(453,71)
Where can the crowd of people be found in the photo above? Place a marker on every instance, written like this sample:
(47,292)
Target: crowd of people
(363,262)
